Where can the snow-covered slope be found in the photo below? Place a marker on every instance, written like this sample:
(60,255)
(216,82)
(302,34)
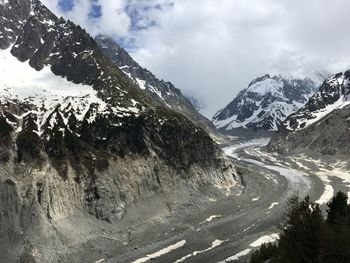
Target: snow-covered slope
(267,102)
(46,92)
(333,94)
(322,125)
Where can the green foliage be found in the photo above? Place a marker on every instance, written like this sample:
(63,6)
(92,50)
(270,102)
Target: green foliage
(307,237)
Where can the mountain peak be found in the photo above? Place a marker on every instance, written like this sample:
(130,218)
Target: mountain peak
(162,91)
(265,103)
(259,79)
(333,94)
(322,124)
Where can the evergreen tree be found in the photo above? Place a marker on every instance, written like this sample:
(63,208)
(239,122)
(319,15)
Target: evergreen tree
(306,237)
(265,253)
(338,211)
(338,234)
(302,234)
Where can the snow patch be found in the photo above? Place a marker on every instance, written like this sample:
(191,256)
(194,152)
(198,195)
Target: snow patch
(273,205)
(161,252)
(257,243)
(237,256)
(326,196)
(328,190)
(141,83)
(214,244)
(265,239)
(209,219)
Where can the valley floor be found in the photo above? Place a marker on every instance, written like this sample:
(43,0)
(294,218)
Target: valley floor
(229,229)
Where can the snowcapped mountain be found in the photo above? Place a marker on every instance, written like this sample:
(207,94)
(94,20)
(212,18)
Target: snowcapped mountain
(80,141)
(334,94)
(163,92)
(267,102)
(322,125)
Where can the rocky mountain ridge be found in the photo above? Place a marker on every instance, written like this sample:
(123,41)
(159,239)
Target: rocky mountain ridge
(80,142)
(267,102)
(322,125)
(162,91)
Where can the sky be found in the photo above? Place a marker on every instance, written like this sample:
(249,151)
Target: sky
(212,49)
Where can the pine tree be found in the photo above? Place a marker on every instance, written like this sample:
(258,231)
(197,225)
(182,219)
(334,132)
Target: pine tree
(338,211)
(265,253)
(338,234)
(307,238)
(302,234)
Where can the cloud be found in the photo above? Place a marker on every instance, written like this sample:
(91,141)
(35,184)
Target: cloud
(96,16)
(213,49)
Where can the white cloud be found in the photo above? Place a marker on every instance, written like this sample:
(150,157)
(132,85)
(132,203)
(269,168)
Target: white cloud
(114,19)
(213,49)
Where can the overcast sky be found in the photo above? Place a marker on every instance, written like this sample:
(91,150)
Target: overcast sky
(211,49)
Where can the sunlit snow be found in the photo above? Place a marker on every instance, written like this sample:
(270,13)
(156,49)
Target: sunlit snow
(19,82)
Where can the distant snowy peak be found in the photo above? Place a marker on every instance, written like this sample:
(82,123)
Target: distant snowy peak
(267,102)
(333,94)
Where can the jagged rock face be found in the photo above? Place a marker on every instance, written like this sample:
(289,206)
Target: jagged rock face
(266,102)
(322,125)
(334,93)
(163,92)
(78,136)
